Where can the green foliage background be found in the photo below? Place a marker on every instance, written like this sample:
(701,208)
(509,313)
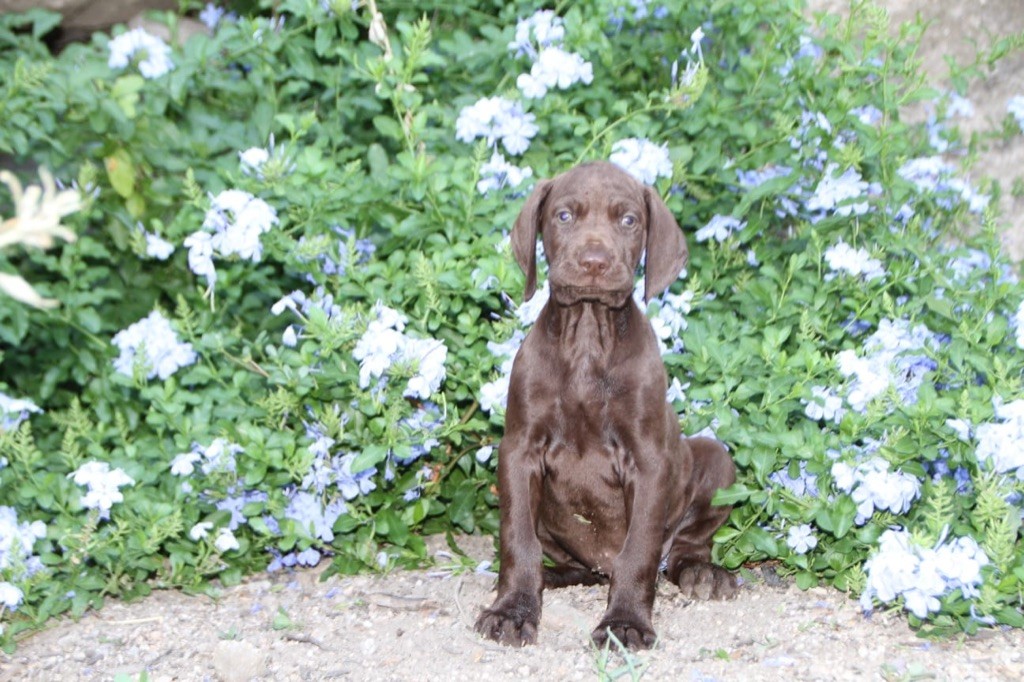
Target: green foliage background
(368,145)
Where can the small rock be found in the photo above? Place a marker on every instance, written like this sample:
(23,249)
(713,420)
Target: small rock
(237,661)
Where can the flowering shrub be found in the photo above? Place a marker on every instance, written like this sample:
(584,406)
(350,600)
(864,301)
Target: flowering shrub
(287,321)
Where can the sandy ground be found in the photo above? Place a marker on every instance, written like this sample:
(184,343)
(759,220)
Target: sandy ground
(418,625)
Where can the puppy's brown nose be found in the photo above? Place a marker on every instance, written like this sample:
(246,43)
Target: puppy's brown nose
(594,259)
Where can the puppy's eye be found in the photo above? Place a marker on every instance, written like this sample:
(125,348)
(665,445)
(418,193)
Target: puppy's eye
(564,216)
(629,220)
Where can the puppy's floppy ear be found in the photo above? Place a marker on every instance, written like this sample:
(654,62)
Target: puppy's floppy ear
(524,235)
(666,246)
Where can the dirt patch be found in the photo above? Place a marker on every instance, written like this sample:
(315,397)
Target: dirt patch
(418,625)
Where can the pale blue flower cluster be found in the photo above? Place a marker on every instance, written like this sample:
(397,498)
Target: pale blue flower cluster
(634,11)
(893,357)
(643,159)
(217,457)
(13,411)
(1001,441)
(873,487)
(804,485)
(835,194)
(152,344)
(824,405)
(843,258)
(667,314)
(17,562)
(232,227)
(103,484)
(719,228)
(157,247)
(955,106)
(543,28)
(384,349)
(497,119)
(126,46)
(1015,107)
(499,174)
(921,575)
(933,175)
(552,66)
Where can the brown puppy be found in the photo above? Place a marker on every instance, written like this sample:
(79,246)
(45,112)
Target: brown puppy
(592,470)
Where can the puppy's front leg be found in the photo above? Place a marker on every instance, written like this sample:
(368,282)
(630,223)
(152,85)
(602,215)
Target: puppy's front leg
(513,617)
(635,570)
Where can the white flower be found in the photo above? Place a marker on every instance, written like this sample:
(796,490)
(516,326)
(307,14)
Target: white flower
(156,341)
(289,338)
(873,487)
(554,68)
(124,47)
(103,485)
(497,119)
(384,345)
(484,453)
(252,160)
(157,247)
(10,595)
(642,159)
(13,411)
(225,541)
(184,464)
(858,262)
(200,530)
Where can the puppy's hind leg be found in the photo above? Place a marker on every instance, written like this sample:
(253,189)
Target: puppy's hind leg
(689,558)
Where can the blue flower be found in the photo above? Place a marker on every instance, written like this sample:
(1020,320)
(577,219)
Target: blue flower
(801,539)
(16,542)
(232,227)
(351,484)
(313,516)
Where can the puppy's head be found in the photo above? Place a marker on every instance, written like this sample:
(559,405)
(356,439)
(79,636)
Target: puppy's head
(596,221)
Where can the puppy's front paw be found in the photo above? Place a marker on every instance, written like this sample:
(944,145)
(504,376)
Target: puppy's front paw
(512,620)
(701,580)
(634,634)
